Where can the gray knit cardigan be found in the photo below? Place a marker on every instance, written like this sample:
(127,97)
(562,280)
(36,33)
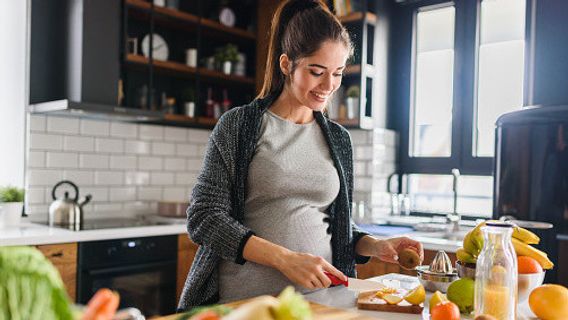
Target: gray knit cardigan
(216,213)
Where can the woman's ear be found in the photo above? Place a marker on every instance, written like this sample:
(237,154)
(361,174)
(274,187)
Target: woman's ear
(285,64)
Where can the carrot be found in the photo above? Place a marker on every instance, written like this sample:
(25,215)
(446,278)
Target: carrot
(206,315)
(102,305)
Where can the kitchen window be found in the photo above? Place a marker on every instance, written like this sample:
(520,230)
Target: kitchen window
(462,65)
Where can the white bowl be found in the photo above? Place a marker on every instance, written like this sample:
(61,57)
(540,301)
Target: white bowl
(527,282)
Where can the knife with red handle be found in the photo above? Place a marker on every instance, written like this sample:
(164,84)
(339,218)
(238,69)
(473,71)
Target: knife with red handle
(355,284)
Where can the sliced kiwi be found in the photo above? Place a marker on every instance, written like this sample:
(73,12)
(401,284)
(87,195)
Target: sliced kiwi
(408,259)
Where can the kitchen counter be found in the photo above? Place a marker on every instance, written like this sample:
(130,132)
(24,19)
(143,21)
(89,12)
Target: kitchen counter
(343,298)
(37,234)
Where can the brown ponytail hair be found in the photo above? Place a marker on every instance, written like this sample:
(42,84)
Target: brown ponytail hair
(299,28)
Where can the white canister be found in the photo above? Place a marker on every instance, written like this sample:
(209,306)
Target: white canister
(191,57)
(190,109)
(1,218)
(12,213)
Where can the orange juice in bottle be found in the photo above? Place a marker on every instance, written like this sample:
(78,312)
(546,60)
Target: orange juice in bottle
(496,273)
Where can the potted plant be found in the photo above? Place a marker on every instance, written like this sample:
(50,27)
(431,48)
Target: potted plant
(352,101)
(11,204)
(226,56)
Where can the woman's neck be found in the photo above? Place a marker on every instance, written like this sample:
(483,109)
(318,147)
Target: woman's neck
(288,107)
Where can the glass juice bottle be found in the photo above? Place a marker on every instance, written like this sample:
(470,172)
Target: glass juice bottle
(496,273)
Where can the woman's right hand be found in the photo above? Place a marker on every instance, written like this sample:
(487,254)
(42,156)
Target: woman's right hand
(307,270)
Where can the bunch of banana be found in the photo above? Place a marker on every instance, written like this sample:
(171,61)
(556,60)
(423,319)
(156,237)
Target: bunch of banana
(522,239)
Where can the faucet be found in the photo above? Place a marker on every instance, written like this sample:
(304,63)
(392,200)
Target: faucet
(454,217)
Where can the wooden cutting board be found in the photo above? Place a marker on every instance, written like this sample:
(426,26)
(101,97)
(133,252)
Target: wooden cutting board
(368,301)
(320,312)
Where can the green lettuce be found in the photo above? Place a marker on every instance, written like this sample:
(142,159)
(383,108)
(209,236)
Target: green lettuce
(30,287)
(292,306)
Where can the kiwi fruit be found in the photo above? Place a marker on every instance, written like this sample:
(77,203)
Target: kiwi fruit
(408,259)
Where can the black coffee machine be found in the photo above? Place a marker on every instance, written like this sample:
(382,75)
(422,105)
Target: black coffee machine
(531,177)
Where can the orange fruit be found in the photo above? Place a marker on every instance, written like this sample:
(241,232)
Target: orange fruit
(528,265)
(549,302)
(445,310)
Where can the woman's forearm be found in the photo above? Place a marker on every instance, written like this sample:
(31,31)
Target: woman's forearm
(265,252)
(367,246)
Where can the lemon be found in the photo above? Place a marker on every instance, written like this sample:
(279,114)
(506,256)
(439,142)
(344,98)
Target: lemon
(392,298)
(436,298)
(416,296)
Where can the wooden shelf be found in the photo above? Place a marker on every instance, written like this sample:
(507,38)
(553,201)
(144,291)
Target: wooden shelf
(192,19)
(347,122)
(358,16)
(185,121)
(181,69)
(355,69)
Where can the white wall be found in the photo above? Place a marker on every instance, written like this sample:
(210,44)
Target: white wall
(13,35)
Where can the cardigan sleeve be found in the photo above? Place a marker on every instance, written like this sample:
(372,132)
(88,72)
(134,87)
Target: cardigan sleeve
(209,220)
(356,232)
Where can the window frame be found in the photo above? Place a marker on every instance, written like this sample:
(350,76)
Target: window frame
(466,50)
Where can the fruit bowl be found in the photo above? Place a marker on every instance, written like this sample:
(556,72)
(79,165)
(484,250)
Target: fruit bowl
(527,282)
(465,270)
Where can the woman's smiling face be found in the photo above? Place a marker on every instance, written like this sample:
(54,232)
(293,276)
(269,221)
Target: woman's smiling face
(318,76)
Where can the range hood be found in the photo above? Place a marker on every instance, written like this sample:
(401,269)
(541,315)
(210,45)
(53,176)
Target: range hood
(66,107)
(75,55)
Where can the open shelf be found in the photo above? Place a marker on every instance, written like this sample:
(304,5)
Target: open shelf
(192,19)
(355,69)
(358,16)
(181,69)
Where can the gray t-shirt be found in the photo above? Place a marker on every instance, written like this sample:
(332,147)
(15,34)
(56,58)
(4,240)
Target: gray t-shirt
(292,181)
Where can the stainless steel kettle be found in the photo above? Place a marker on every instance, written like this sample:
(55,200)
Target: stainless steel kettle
(67,212)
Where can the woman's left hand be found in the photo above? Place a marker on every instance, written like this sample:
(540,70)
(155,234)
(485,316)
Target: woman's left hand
(388,249)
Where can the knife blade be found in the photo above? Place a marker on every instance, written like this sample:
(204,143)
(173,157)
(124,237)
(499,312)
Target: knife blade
(355,284)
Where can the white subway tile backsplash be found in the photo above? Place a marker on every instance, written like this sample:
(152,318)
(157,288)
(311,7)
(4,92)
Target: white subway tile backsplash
(137,206)
(175,194)
(174,164)
(109,178)
(363,152)
(74,143)
(38,212)
(137,147)
(62,125)
(199,136)
(36,159)
(36,195)
(150,193)
(175,134)
(161,178)
(122,193)
(43,177)
(100,194)
(93,161)
(123,130)
(149,163)
(201,149)
(163,149)
(123,162)
(37,122)
(62,160)
(149,132)
(136,178)
(194,165)
(359,137)
(188,178)
(109,145)
(42,141)
(359,168)
(107,207)
(187,150)
(80,178)
(94,127)
(363,184)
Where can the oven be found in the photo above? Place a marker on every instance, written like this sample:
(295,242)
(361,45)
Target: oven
(141,270)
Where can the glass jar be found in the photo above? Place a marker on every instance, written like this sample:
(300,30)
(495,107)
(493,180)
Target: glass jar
(496,273)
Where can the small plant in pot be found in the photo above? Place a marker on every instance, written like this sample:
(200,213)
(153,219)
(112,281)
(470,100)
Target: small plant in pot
(226,56)
(11,205)
(352,101)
